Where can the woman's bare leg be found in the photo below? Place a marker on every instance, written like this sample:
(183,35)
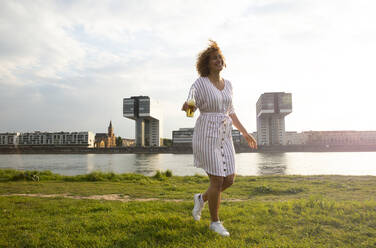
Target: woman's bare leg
(227,182)
(213,196)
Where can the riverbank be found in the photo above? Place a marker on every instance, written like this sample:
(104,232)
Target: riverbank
(178,149)
(129,210)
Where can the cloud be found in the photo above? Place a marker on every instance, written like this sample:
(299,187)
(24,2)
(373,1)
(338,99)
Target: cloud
(66,65)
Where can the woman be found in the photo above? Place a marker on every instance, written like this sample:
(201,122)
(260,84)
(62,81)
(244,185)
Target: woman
(212,144)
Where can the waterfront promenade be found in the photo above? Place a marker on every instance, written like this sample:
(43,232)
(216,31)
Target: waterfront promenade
(179,149)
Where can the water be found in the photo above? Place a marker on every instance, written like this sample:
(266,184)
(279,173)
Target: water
(340,163)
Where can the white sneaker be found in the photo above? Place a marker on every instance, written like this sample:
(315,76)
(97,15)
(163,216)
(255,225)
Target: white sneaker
(219,228)
(199,204)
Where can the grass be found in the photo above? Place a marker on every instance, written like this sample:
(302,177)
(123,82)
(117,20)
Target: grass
(274,211)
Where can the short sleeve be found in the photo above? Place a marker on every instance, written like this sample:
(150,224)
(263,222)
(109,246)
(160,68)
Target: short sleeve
(194,90)
(231,109)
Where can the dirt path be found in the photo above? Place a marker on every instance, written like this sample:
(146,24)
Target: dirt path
(110,197)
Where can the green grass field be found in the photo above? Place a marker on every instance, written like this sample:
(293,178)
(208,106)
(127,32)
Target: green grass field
(274,211)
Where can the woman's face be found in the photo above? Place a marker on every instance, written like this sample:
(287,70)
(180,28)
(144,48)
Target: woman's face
(215,62)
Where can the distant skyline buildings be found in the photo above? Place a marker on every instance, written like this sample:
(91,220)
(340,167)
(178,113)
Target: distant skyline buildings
(57,139)
(271,109)
(183,137)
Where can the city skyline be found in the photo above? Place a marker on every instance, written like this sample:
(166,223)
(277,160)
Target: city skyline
(73,62)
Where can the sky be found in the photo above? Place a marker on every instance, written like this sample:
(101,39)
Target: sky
(67,65)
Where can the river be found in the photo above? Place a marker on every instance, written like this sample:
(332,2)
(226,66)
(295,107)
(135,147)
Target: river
(319,163)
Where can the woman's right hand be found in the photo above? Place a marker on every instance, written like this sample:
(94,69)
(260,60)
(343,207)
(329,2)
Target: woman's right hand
(184,107)
(251,141)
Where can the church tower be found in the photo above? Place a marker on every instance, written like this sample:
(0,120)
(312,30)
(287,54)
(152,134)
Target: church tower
(110,130)
(105,140)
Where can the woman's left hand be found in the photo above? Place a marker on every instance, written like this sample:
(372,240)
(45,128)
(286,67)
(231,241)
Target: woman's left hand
(251,141)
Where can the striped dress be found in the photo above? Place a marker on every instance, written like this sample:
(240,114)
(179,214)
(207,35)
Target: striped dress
(213,149)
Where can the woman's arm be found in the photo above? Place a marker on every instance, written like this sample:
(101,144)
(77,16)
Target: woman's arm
(192,95)
(249,138)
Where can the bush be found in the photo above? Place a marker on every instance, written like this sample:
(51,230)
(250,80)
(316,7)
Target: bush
(162,175)
(96,176)
(158,175)
(26,176)
(7,175)
(168,173)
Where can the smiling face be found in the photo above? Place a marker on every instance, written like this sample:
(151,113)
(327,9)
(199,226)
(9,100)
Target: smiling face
(210,60)
(215,62)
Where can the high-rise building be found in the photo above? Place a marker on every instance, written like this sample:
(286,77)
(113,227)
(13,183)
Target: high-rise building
(271,109)
(147,115)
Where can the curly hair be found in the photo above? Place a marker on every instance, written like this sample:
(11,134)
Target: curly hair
(202,64)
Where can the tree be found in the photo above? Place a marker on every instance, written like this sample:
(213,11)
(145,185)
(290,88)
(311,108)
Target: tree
(167,142)
(119,141)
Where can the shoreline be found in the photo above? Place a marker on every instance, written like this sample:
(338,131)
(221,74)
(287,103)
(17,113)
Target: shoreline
(179,149)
